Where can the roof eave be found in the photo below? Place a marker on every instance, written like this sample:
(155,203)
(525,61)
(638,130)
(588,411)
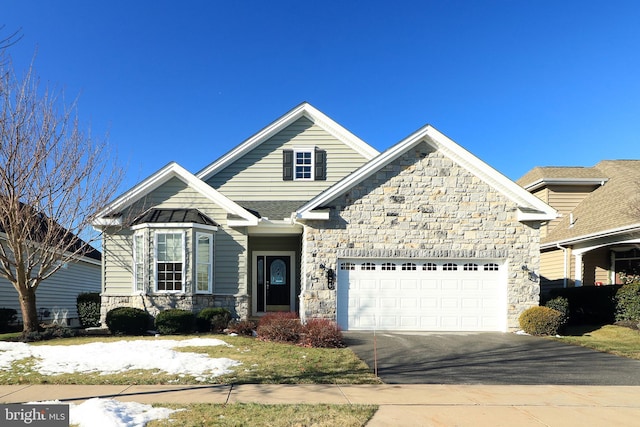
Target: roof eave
(634,228)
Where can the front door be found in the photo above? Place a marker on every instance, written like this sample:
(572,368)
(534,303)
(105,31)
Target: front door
(273,282)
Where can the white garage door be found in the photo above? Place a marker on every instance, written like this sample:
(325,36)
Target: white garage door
(417,295)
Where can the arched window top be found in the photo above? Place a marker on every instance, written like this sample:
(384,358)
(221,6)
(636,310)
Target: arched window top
(388,266)
(429,267)
(367,266)
(408,266)
(492,266)
(470,267)
(450,266)
(347,266)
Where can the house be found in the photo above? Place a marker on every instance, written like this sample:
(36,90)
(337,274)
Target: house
(56,296)
(597,236)
(304,216)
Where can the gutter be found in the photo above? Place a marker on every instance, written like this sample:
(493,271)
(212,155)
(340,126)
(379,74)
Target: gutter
(564,264)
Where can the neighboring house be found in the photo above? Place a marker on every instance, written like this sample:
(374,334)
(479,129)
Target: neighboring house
(304,216)
(597,236)
(56,296)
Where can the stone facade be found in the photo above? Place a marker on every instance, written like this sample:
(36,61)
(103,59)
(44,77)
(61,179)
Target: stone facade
(238,305)
(422,205)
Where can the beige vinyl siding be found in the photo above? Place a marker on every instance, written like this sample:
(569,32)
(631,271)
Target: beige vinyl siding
(543,194)
(552,268)
(229,265)
(596,266)
(258,174)
(564,198)
(59,291)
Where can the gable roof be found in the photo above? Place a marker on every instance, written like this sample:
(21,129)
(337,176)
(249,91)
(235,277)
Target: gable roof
(303,110)
(607,210)
(555,175)
(172,170)
(530,207)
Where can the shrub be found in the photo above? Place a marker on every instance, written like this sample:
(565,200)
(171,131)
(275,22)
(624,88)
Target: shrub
(88,305)
(628,302)
(280,327)
(560,304)
(128,321)
(540,321)
(589,305)
(242,327)
(7,317)
(48,333)
(175,321)
(321,333)
(213,319)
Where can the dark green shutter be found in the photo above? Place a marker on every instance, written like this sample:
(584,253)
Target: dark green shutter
(287,165)
(320,172)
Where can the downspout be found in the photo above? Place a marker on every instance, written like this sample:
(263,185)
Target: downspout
(564,264)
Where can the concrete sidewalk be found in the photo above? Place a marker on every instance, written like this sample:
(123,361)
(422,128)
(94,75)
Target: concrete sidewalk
(400,405)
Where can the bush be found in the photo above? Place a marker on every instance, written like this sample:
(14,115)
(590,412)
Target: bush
(560,304)
(128,321)
(589,305)
(540,321)
(321,333)
(7,317)
(213,319)
(175,321)
(280,327)
(628,302)
(48,333)
(242,327)
(88,305)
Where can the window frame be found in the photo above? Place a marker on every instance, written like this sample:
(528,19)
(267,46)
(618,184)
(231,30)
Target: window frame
(139,264)
(311,153)
(196,262)
(156,262)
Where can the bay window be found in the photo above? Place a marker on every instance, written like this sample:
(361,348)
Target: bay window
(169,261)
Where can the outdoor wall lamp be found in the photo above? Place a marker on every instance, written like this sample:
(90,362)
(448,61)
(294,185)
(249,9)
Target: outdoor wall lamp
(531,274)
(331,277)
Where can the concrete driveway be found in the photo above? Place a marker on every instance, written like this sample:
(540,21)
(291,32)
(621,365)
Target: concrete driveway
(487,358)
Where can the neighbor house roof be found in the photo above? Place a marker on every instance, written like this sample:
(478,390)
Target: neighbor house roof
(610,209)
(530,207)
(303,110)
(558,175)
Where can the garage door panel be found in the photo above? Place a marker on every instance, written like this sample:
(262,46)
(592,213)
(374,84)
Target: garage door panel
(437,298)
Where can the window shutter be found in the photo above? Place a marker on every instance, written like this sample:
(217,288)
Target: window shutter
(287,165)
(320,173)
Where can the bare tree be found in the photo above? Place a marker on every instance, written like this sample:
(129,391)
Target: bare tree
(8,41)
(53,178)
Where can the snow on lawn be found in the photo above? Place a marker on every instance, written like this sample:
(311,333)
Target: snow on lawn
(112,413)
(120,356)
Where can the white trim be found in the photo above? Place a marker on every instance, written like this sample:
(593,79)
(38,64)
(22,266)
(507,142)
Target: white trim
(144,262)
(254,278)
(316,214)
(536,209)
(172,170)
(302,110)
(211,263)
(542,182)
(600,234)
(311,152)
(277,227)
(155,262)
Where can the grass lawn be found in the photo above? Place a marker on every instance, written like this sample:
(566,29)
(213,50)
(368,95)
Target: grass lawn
(262,363)
(251,414)
(613,339)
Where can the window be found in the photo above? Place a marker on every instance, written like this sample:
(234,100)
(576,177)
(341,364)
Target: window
(138,262)
(491,267)
(388,266)
(450,266)
(303,165)
(368,266)
(429,267)
(169,262)
(471,267)
(347,266)
(408,266)
(204,262)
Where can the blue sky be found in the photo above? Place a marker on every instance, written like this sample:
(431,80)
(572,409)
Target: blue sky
(518,83)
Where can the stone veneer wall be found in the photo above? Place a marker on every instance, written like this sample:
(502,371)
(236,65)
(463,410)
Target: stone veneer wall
(238,305)
(422,205)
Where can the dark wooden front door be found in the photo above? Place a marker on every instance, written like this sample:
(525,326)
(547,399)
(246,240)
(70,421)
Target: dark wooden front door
(274,283)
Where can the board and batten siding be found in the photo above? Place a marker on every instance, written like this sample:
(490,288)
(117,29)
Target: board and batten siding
(229,263)
(59,291)
(258,174)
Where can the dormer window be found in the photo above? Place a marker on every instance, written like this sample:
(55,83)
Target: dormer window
(304,164)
